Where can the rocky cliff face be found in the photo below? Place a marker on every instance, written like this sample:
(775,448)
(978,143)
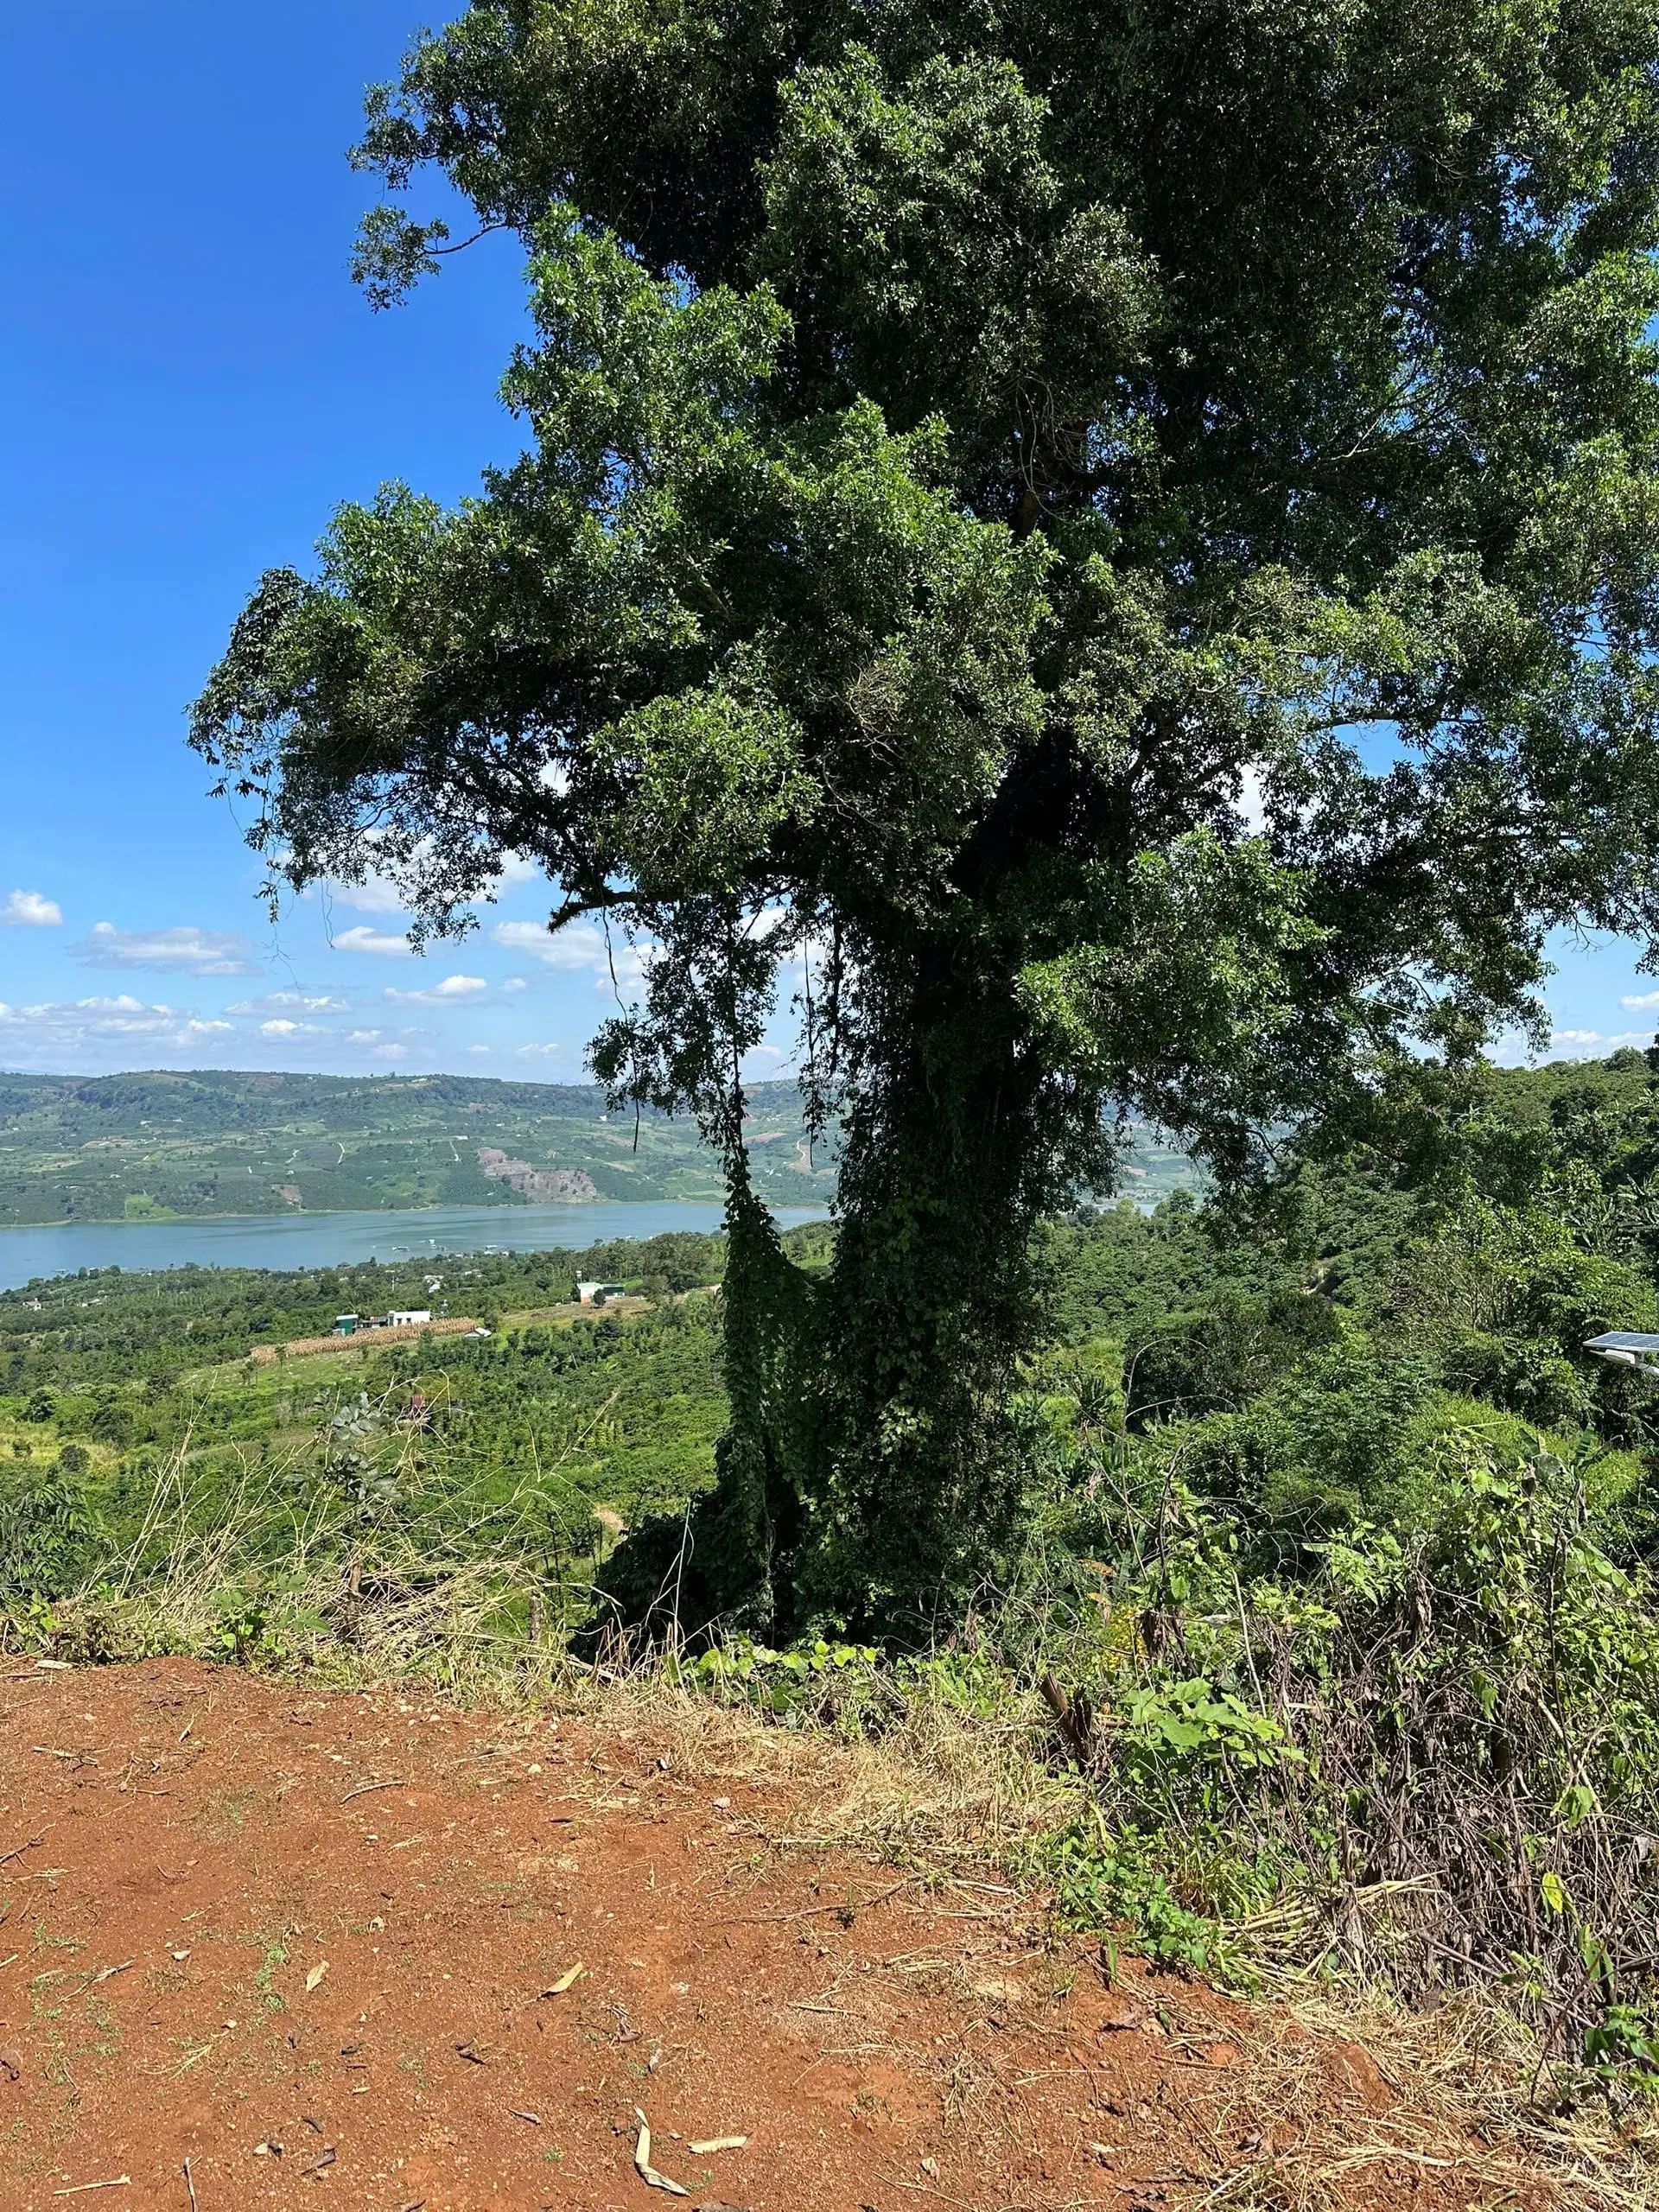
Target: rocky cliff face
(543,1186)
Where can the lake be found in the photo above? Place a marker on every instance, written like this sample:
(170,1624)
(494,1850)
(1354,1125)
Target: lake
(324,1240)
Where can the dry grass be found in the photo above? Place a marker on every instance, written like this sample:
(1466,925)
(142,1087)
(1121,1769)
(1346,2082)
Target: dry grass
(949,1800)
(1461,2096)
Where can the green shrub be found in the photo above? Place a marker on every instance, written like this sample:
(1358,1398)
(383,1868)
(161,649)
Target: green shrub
(50,1539)
(1432,1753)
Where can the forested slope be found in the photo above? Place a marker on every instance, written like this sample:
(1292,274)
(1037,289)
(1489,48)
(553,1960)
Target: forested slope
(145,1146)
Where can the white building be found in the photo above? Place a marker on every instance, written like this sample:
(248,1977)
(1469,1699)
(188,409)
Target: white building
(415,1317)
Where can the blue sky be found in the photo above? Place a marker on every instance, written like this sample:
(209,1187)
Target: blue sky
(189,383)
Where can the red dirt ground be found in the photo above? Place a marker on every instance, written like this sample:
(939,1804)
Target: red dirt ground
(307,1942)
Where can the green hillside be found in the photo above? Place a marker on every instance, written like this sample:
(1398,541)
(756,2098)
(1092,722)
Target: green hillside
(148,1145)
(154,1144)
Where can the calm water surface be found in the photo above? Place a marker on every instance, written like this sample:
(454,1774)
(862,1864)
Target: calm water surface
(322,1240)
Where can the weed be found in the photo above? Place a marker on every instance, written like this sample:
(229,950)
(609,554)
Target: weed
(275,1955)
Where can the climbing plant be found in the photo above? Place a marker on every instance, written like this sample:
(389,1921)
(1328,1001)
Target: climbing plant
(1105,555)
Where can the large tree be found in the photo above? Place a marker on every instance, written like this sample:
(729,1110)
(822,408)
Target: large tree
(1108,550)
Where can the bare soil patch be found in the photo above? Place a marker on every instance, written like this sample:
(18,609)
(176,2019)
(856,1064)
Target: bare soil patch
(377,1951)
(366,1340)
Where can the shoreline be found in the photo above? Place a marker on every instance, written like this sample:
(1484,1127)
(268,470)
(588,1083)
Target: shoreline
(354,1213)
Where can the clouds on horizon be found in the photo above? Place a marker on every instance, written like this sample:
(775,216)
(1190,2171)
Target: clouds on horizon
(1591,1045)
(49,1032)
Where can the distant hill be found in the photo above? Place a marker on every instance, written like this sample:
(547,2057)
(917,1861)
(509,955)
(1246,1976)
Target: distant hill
(154,1145)
(157,1146)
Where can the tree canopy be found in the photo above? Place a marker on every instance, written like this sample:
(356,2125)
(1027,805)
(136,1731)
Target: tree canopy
(1108,552)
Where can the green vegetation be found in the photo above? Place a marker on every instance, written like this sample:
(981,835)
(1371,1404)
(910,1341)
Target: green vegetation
(1336,1549)
(114,1383)
(1109,551)
(149,1147)
(164,1146)
(1109,554)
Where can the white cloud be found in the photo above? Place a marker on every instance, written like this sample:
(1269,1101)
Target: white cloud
(1643,1004)
(1590,1044)
(364,939)
(579,948)
(767,1064)
(378,894)
(570,948)
(121,1030)
(176,951)
(374,895)
(513,985)
(453,990)
(291,1002)
(31,910)
(100,1028)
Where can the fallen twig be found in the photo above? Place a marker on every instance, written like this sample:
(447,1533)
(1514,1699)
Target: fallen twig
(813,1911)
(363,1787)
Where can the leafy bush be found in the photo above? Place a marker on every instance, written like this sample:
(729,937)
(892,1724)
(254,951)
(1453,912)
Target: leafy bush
(1502,1299)
(1336,1441)
(1219,1359)
(50,1539)
(1431,1753)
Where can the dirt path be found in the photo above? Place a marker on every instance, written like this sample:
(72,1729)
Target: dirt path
(322,1946)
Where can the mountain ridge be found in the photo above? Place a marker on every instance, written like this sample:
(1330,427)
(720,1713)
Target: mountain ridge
(159,1144)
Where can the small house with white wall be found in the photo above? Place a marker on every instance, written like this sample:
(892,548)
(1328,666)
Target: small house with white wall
(596,1293)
